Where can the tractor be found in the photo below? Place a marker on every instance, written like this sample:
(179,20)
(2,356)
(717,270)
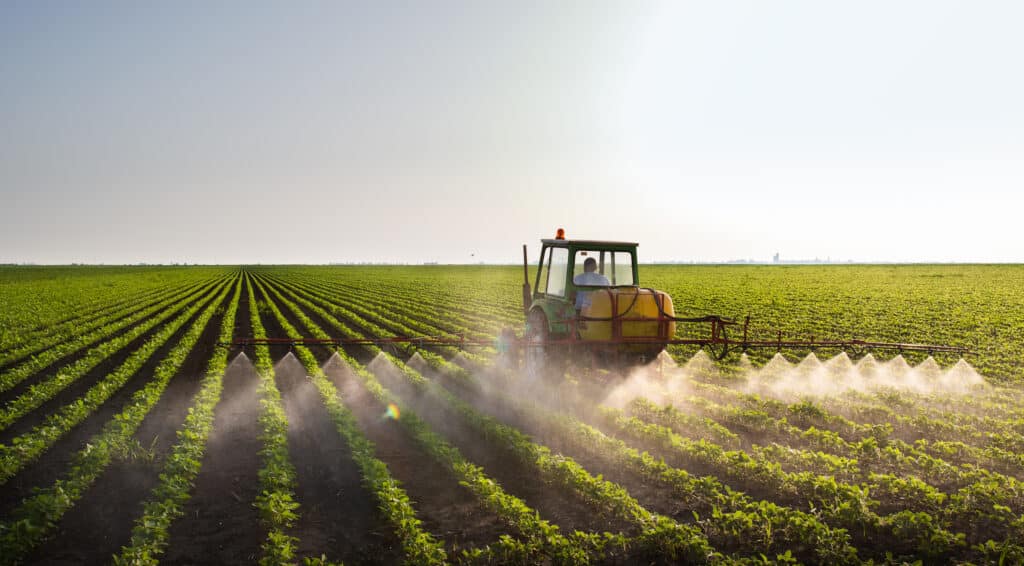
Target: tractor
(587,300)
(599,314)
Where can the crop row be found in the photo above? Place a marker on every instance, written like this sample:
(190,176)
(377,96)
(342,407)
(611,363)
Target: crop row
(420,547)
(276,501)
(38,515)
(38,300)
(45,390)
(164,505)
(27,447)
(807,414)
(42,338)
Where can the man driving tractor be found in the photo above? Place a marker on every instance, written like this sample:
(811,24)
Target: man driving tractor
(591,277)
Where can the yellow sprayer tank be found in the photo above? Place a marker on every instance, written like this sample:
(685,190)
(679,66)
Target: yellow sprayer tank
(628,312)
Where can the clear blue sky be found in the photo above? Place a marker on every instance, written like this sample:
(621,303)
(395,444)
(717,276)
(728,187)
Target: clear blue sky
(456,131)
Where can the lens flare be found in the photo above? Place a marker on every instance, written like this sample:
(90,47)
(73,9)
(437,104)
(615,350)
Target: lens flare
(392,412)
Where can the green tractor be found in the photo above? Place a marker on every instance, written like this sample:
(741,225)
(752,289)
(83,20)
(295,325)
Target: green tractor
(586,302)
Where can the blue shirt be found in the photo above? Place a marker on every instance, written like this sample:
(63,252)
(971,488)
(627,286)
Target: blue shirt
(588,278)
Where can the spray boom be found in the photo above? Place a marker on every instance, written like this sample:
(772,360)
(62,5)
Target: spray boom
(717,342)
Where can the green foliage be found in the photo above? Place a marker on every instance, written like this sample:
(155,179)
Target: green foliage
(27,447)
(43,391)
(275,503)
(882,476)
(39,514)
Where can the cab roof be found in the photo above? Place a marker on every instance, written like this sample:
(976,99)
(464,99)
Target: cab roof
(587,243)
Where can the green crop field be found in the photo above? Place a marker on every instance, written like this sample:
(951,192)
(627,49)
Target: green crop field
(129,432)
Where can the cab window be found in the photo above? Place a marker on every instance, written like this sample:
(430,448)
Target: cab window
(616,267)
(557,269)
(622,268)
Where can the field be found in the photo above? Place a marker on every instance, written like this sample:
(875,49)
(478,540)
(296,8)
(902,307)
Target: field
(127,434)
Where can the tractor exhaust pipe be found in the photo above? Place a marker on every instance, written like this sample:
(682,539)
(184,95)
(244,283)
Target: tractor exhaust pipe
(527,294)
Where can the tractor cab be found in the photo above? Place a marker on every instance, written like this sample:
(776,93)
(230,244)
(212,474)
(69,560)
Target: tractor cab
(586,294)
(570,271)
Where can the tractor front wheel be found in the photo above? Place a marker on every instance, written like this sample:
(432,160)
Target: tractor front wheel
(540,356)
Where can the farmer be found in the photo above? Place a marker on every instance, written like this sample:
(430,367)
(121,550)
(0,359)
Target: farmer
(589,277)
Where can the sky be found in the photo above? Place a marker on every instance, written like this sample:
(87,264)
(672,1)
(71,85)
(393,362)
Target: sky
(321,132)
